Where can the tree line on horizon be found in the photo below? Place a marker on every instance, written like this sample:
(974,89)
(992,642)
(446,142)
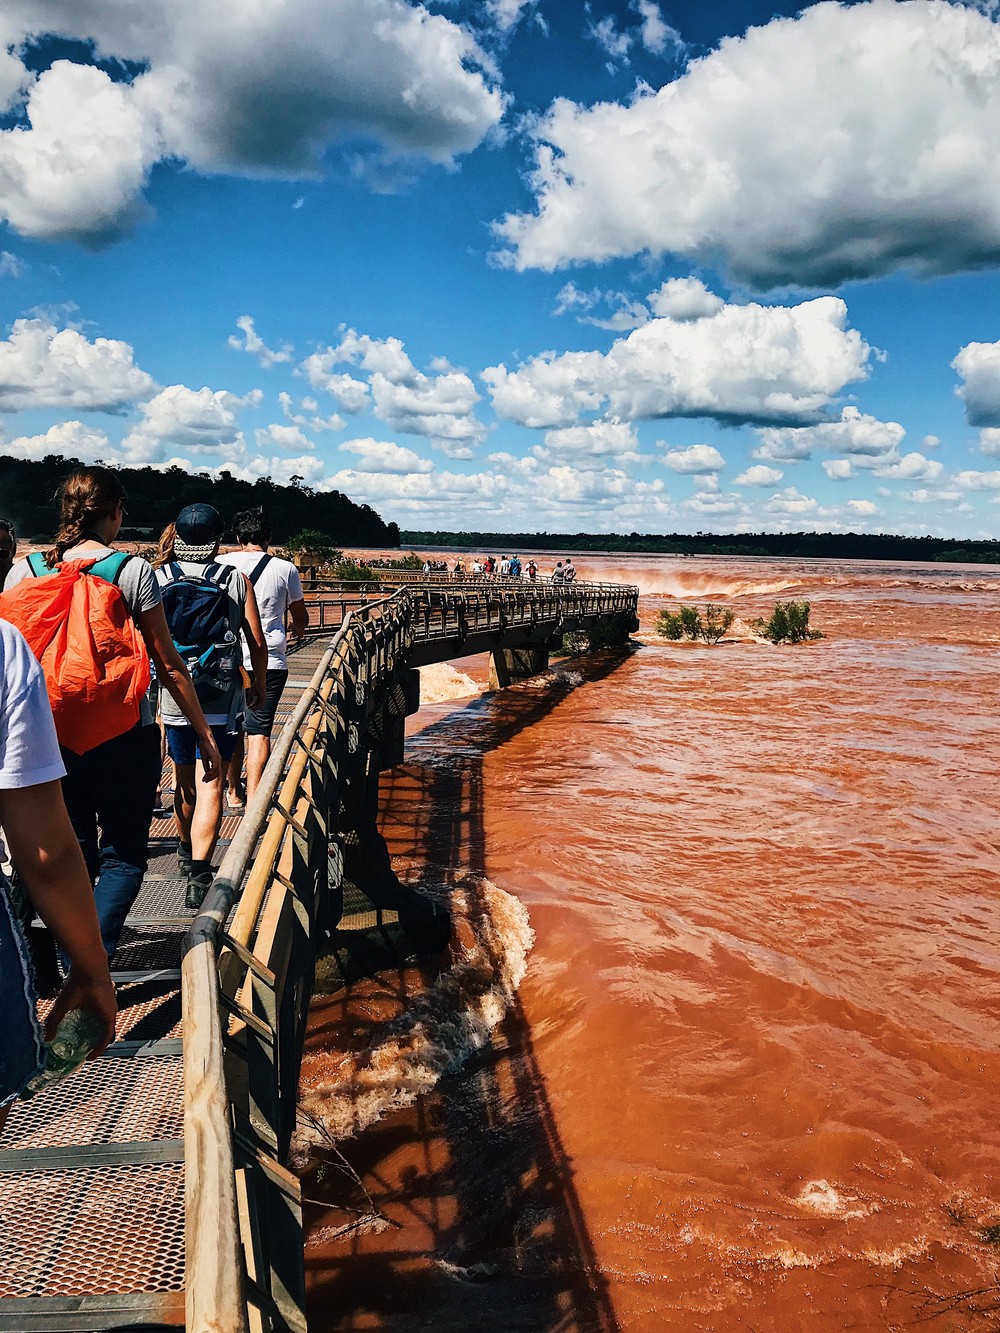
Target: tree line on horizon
(155,497)
(815,545)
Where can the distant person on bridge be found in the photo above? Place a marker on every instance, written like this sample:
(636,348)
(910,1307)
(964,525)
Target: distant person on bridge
(532,571)
(46,854)
(515,567)
(110,787)
(505,568)
(279,593)
(558,575)
(208,607)
(459,569)
(569,572)
(8,548)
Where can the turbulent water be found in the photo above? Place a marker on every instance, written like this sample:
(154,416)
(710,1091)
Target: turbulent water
(749,1079)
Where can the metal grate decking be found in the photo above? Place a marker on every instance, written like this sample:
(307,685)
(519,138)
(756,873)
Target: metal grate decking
(92,1171)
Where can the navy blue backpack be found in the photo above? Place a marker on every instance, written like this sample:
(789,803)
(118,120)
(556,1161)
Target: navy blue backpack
(197,611)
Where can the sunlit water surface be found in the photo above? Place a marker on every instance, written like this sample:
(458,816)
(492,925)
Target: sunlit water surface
(751,1078)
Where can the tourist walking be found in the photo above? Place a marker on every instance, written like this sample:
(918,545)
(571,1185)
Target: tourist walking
(558,575)
(46,853)
(278,590)
(208,607)
(569,572)
(532,571)
(109,786)
(8,549)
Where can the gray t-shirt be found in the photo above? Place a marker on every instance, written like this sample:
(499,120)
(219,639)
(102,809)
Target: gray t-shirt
(225,711)
(137,582)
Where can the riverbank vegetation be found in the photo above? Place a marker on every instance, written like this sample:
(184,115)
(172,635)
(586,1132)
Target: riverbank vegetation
(812,545)
(156,497)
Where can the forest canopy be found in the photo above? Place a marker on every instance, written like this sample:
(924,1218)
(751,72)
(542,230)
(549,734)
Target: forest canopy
(155,497)
(825,545)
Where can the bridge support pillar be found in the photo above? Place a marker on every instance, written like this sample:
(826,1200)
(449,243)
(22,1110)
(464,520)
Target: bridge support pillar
(387,728)
(510,664)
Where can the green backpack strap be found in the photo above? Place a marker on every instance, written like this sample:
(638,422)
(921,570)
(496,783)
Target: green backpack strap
(37,565)
(110,567)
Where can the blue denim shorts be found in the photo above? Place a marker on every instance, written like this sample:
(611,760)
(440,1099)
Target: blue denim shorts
(21,1051)
(183,747)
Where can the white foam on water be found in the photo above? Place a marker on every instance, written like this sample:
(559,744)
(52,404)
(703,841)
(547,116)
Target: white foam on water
(558,678)
(441,682)
(443,1026)
(819,1196)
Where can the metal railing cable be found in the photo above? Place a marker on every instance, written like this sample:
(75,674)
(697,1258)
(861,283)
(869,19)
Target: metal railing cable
(245,989)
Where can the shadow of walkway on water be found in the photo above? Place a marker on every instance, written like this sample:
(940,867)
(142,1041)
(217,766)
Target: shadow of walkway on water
(480,1223)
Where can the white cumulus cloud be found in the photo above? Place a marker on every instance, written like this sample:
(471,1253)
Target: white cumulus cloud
(202,420)
(613,438)
(758,475)
(742,363)
(254,90)
(855,433)
(978,366)
(439,406)
(695,459)
(253,343)
(845,143)
(386,456)
(44,366)
(282,437)
(71,439)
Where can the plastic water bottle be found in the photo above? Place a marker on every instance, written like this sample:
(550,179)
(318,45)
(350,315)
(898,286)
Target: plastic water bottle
(76,1036)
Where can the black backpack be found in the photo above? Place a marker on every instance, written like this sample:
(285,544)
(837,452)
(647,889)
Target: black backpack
(197,611)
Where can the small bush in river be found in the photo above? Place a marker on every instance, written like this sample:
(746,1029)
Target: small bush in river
(788,623)
(688,623)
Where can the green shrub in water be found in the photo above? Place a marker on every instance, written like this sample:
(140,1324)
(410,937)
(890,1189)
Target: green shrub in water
(689,623)
(788,623)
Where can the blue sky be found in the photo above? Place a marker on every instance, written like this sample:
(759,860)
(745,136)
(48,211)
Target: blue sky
(517,264)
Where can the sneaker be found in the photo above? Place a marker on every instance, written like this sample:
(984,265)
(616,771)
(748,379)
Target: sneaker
(184,858)
(198,884)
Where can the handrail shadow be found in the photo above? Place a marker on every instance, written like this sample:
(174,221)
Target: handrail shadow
(477,1219)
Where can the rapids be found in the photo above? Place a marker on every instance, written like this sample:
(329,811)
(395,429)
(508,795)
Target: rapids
(748,1081)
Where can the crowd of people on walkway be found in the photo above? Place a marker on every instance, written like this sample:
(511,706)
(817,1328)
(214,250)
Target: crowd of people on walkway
(505,569)
(108,663)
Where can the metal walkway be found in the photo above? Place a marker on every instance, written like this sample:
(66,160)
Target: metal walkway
(92,1172)
(147,1191)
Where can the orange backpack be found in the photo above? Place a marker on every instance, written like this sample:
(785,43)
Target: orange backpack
(77,624)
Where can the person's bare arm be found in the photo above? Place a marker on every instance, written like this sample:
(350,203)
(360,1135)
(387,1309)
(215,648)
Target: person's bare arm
(47,854)
(254,633)
(173,674)
(298,616)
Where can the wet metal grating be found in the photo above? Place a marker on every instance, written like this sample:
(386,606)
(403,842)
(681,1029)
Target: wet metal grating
(150,947)
(111,1100)
(105,1230)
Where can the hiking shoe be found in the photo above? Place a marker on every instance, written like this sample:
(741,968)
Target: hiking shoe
(198,884)
(184,858)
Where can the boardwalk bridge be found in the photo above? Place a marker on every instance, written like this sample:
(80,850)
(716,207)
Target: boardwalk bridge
(150,1189)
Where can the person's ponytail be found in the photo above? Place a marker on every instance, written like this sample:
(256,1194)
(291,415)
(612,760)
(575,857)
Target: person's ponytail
(85,497)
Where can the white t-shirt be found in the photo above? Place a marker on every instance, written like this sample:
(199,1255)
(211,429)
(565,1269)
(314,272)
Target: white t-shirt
(29,751)
(278,586)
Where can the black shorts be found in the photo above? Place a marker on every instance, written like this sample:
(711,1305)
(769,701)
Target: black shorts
(260,722)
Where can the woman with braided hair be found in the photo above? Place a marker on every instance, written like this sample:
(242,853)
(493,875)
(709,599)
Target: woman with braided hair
(110,790)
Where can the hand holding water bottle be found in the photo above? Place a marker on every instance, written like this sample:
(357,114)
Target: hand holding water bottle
(88,989)
(77,1037)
